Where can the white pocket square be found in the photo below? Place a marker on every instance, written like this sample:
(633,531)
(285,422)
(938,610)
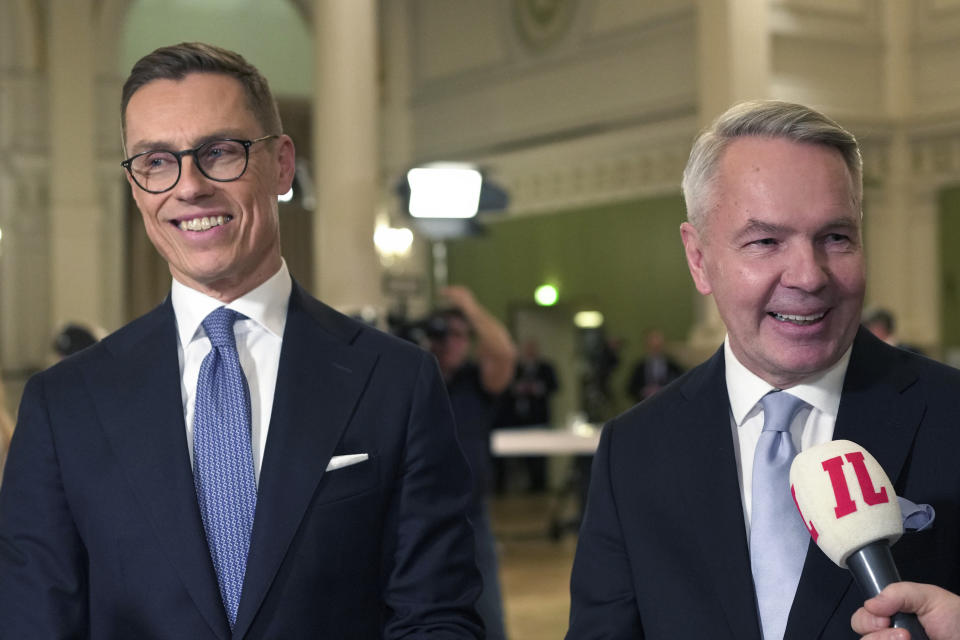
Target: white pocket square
(339,462)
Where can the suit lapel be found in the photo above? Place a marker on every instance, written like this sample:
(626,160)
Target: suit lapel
(137,395)
(879,411)
(319,382)
(713,496)
(881,407)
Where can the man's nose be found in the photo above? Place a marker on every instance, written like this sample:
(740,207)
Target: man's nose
(807,268)
(192,183)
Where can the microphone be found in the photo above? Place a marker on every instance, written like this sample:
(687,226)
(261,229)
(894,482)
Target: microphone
(850,509)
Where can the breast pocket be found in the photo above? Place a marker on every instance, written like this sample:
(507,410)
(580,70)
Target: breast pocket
(347,482)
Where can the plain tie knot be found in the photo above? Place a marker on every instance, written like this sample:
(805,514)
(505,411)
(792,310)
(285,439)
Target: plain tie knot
(779,409)
(219,327)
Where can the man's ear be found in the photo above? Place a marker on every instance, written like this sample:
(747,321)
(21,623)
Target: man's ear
(286,164)
(693,248)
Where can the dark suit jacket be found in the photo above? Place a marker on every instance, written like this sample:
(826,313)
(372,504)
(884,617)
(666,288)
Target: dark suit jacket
(663,549)
(100,533)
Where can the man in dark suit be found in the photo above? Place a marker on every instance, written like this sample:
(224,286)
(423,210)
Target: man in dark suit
(654,371)
(157,490)
(679,538)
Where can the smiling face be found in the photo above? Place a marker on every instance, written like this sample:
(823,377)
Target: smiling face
(222,259)
(781,253)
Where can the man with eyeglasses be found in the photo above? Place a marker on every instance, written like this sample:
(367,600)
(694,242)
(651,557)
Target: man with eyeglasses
(243,461)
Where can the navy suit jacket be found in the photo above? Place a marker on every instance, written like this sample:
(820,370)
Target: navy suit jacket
(663,548)
(100,533)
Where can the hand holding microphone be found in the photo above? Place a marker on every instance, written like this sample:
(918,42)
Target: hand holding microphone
(937,609)
(850,509)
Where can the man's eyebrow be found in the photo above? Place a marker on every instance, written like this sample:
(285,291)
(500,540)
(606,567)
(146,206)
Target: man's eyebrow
(755,227)
(148,145)
(164,145)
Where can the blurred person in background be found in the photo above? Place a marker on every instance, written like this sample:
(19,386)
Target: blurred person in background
(882,323)
(526,403)
(474,383)
(72,339)
(654,371)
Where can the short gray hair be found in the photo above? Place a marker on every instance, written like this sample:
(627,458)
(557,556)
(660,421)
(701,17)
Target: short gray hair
(766,119)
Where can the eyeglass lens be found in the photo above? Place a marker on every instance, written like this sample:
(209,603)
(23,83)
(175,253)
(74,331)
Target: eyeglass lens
(222,160)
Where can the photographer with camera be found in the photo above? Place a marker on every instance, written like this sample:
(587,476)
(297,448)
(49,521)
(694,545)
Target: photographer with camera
(474,385)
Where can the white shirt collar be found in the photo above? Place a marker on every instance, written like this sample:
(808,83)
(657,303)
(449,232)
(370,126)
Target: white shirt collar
(266,305)
(745,388)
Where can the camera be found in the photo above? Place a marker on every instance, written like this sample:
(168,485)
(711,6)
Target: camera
(434,326)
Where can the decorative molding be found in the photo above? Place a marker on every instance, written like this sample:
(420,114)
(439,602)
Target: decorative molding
(675,29)
(606,84)
(612,19)
(642,162)
(432,40)
(542,23)
(938,8)
(935,22)
(850,21)
(29,197)
(936,158)
(648,162)
(23,107)
(846,8)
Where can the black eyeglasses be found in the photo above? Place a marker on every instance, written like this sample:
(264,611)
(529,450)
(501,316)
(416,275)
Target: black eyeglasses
(223,160)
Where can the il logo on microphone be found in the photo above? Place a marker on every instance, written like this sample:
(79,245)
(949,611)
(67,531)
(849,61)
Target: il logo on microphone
(845,504)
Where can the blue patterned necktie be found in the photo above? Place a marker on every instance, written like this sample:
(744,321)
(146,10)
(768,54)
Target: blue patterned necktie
(778,539)
(223,458)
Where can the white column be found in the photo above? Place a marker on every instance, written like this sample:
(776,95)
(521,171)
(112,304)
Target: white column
(75,215)
(398,151)
(346,142)
(24,262)
(734,65)
(920,312)
(901,242)
(734,54)
(24,195)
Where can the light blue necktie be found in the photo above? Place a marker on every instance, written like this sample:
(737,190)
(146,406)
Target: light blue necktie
(778,539)
(223,459)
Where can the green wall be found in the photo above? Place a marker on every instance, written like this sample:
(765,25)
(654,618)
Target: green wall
(268,33)
(949,202)
(624,259)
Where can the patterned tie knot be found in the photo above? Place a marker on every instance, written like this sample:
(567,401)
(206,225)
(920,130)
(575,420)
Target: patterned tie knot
(219,327)
(779,409)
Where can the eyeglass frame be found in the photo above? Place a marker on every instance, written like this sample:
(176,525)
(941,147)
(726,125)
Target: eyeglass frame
(196,161)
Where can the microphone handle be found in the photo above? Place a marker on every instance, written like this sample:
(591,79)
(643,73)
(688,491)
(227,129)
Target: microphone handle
(873,569)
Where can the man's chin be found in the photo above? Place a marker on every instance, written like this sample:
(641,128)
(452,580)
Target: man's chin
(802,366)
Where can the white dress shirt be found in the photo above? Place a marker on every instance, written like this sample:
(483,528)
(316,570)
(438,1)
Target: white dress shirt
(259,338)
(811,426)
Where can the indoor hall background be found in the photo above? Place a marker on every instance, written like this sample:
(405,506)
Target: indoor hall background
(582,111)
